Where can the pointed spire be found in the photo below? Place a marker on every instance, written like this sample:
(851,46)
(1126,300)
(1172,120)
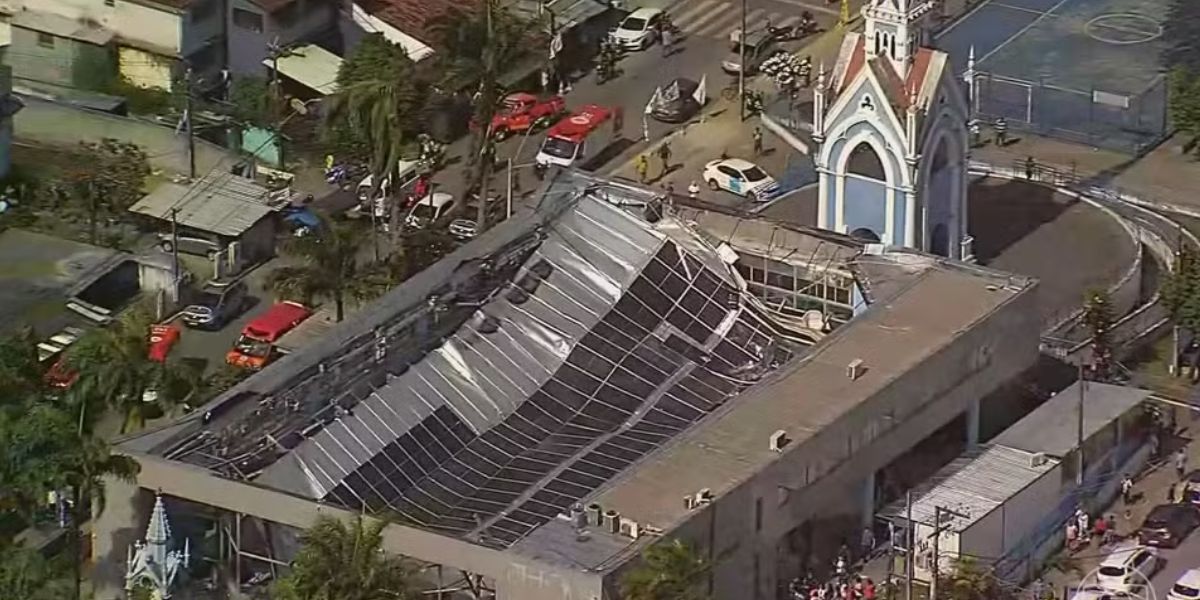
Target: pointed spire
(821,76)
(158,533)
(971,59)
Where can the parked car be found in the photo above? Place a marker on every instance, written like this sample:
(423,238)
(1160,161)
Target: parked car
(1191,487)
(1187,587)
(521,112)
(1128,568)
(214,307)
(429,210)
(1095,592)
(741,177)
(196,246)
(1168,524)
(639,30)
(759,47)
(677,103)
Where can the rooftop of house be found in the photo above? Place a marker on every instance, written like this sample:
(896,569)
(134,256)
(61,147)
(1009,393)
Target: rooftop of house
(916,87)
(417,18)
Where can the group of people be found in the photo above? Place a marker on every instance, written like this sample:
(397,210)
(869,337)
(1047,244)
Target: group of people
(1081,530)
(843,585)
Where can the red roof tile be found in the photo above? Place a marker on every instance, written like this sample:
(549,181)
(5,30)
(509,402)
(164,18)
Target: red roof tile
(899,92)
(858,58)
(414,17)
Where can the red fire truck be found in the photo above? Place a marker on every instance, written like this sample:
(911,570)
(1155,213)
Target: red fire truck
(567,142)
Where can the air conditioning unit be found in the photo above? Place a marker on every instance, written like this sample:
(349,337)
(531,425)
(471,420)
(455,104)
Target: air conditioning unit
(778,440)
(855,369)
(704,497)
(689,502)
(630,528)
(1037,459)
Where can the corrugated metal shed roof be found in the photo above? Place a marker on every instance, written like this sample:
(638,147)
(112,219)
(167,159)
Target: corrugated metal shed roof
(311,65)
(973,485)
(1054,426)
(223,204)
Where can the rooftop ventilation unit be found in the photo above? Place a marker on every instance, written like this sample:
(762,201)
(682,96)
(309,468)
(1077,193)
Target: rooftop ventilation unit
(612,521)
(778,440)
(595,515)
(1038,459)
(855,369)
(630,528)
(704,497)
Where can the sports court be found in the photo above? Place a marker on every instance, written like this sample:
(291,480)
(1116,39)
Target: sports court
(1085,70)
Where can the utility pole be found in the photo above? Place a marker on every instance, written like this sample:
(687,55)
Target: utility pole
(508,205)
(487,96)
(276,52)
(908,546)
(743,67)
(187,115)
(1079,426)
(175,253)
(938,511)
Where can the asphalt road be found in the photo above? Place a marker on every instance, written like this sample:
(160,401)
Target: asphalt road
(1186,556)
(706,25)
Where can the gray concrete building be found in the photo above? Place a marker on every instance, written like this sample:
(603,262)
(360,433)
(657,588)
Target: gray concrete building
(596,375)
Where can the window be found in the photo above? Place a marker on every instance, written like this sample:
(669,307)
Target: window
(45,40)
(248,20)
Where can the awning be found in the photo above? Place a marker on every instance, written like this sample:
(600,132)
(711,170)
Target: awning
(311,66)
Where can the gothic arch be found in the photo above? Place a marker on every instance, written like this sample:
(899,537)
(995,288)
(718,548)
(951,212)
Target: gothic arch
(866,162)
(874,139)
(942,177)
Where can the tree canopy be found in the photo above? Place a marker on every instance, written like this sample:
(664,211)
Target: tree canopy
(1181,291)
(1183,102)
(108,180)
(669,570)
(346,561)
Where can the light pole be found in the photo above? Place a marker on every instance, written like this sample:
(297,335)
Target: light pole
(742,66)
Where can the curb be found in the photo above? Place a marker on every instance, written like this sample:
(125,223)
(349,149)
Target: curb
(649,150)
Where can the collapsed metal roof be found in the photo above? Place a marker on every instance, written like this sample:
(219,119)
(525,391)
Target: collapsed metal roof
(559,361)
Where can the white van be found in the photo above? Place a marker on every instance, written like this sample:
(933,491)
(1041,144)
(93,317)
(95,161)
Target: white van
(407,171)
(1186,587)
(1128,568)
(429,210)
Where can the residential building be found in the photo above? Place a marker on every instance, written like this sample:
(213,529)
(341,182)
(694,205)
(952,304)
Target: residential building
(256,26)
(10,105)
(591,376)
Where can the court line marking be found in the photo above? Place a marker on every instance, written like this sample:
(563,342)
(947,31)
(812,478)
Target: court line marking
(956,22)
(1018,8)
(1021,31)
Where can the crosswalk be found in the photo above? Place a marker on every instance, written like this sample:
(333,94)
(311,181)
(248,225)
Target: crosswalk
(718,18)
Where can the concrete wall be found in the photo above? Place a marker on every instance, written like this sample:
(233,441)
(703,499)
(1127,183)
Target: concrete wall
(247,49)
(32,61)
(48,123)
(829,477)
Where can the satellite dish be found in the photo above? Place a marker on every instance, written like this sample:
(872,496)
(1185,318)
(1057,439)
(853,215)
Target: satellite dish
(298,105)
(814,320)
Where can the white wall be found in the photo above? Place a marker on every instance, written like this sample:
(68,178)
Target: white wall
(157,28)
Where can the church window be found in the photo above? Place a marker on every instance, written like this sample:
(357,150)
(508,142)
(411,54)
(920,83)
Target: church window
(865,161)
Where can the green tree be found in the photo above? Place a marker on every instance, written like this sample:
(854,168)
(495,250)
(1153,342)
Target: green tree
(669,570)
(325,268)
(25,574)
(1181,291)
(108,178)
(346,561)
(380,103)
(250,101)
(116,372)
(1181,29)
(478,44)
(970,581)
(1098,318)
(1183,93)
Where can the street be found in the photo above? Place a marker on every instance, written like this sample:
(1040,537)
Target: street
(706,25)
(1179,560)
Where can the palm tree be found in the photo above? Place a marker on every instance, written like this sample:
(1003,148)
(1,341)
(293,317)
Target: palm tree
(670,570)
(477,44)
(346,561)
(970,581)
(84,467)
(327,266)
(25,574)
(380,101)
(116,371)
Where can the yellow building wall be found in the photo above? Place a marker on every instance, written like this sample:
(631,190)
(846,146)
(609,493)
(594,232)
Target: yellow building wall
(145,69)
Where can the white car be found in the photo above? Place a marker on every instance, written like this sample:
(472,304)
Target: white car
(741,177)
(1093,592)
(429,210)
(1128,568)
(1187,587)
(639,30)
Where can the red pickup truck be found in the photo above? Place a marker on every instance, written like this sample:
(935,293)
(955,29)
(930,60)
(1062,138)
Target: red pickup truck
(521,111)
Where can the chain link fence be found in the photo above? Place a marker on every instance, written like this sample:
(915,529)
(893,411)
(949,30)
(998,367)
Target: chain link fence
(1121,122)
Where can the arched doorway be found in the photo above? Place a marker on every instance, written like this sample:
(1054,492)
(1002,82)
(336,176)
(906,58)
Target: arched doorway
(864,210)
(943,193)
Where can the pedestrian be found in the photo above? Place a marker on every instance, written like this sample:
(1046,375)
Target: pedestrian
(839,566)
(1171,494)
(976,134)
(1084,521)
(1126,489)
(868,541)
(756,135)
(1072,534)
(668,42)
(328,163)
(1029,166)
(1100,529)
(693,189)
(1110,530)
(545,80)
(868,589)
(1001,129)
(664,152)
(1180,462)
(642,165)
